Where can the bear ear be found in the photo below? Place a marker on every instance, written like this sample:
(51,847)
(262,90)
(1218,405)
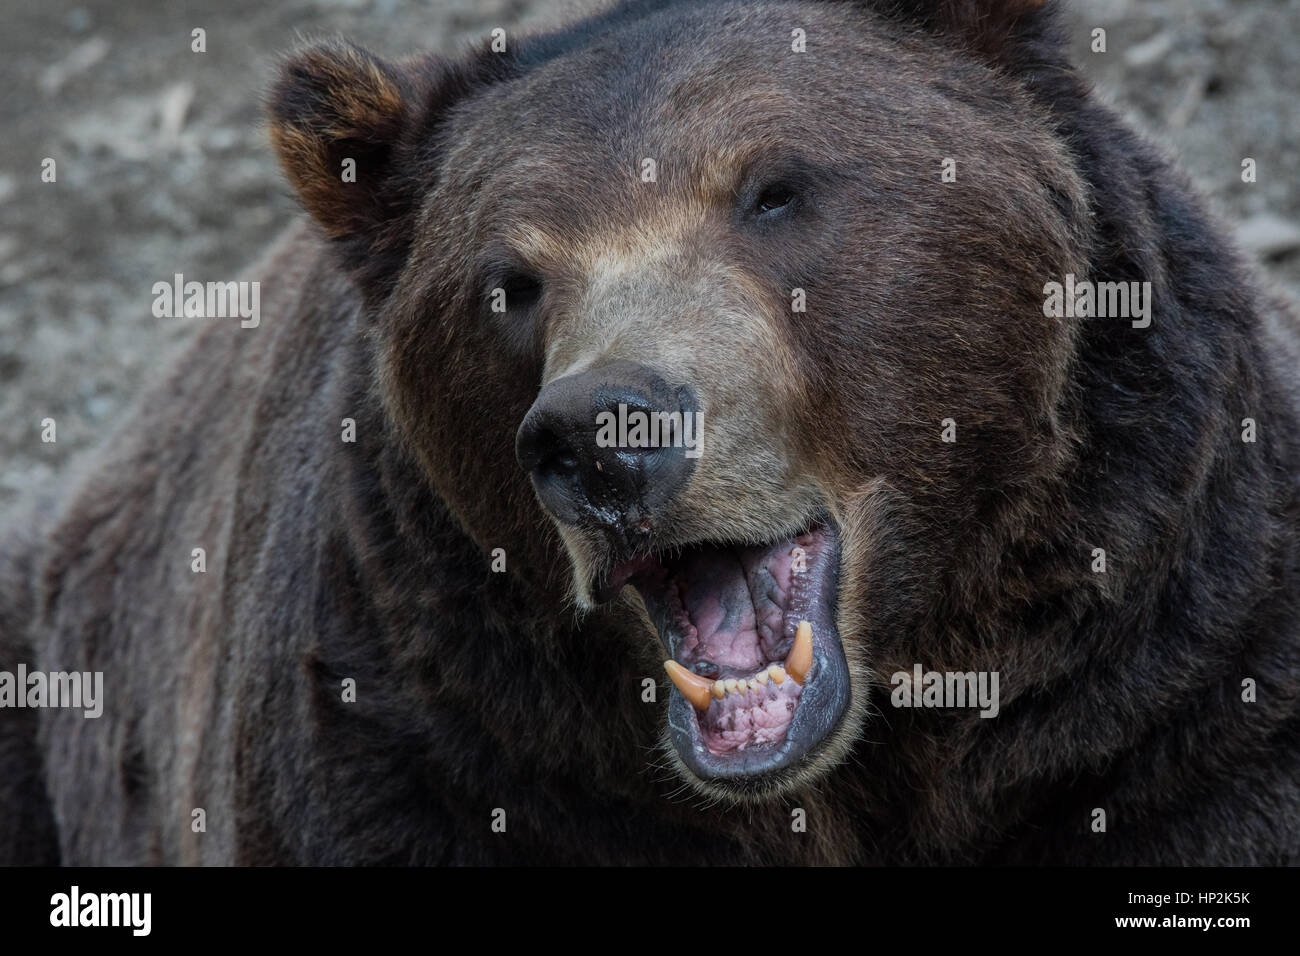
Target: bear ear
(334,103)
(999,31)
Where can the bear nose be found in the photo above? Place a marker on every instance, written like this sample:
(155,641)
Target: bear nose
(610,447)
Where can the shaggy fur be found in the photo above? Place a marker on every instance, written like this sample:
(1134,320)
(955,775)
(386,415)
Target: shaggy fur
(479,690)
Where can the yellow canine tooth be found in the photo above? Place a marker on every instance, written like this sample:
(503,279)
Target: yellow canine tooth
(694,688)
(799,661)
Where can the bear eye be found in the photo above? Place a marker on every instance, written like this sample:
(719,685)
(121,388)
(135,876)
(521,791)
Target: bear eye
(773,198)
(522,290)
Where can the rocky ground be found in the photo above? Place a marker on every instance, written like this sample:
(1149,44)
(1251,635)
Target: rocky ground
(163,164)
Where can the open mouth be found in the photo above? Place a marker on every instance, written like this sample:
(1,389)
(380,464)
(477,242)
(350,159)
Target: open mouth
(759,673)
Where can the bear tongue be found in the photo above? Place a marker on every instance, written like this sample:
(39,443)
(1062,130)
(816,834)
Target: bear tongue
(736,605)
(716,597)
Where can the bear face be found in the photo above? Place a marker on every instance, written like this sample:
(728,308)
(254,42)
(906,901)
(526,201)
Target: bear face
(753,239)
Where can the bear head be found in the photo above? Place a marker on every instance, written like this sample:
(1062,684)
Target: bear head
(753,295)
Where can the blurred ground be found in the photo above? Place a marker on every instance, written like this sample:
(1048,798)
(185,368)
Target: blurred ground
(163,164)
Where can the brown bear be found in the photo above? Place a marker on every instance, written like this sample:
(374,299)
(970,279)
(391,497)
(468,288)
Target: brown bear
(775,432)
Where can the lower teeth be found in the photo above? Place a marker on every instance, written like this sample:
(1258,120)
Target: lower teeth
(700,692)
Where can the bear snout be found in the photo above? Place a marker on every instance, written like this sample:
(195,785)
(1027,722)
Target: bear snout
(610,448)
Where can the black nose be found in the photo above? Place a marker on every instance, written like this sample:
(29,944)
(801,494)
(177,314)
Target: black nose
(610,447)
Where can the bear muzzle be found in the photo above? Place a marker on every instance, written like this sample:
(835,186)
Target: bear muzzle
(610,448)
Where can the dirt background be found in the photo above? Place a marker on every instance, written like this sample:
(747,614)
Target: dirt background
(163,164)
